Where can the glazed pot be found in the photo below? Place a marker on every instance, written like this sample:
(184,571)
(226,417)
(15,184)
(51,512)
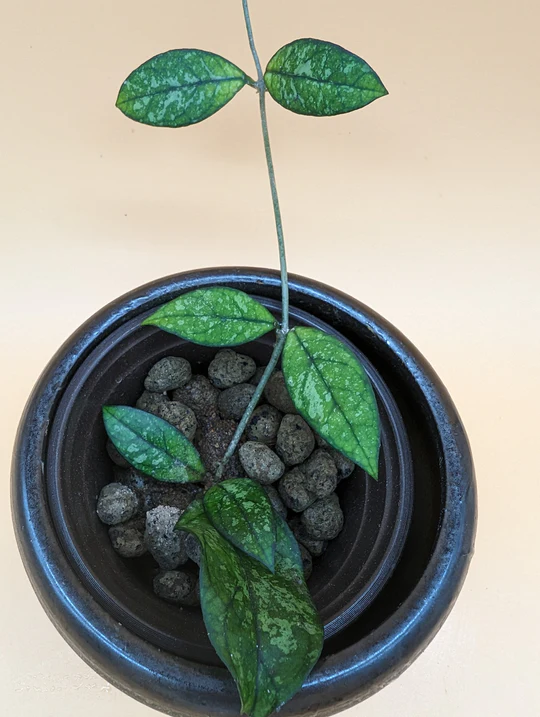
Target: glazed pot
(383,588)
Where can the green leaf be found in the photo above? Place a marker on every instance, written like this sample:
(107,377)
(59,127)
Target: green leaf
(218,316)
(179,88)
(263,625)
(313,77)
(152,445)
(332,391)
(240,510)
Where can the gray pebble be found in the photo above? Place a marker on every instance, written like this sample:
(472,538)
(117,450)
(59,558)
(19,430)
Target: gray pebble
(229,368)
(307,562)
(169,373)
(260,462)
(174,495)
(134,479)
(277,503)
(193,548)
(295,440)
(293,491)
(150,402)
(199,395)
(128,538)
(164,543)
(255,379)
(277,394)
(321,473)
(116,504)
(324,519)
(178,587)
(320,441)
(264,424)
(315,547)
(344,466)
(179,416)
(233,401)
(152,493)
(115,456)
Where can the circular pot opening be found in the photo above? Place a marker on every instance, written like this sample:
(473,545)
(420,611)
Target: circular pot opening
(346,578)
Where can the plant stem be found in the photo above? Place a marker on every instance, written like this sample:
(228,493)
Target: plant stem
(261,88)
(276,353)
(284,328)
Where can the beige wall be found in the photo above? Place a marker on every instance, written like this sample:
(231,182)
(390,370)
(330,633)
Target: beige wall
(424,206)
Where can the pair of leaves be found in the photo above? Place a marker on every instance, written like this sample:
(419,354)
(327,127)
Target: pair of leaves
(327,383)
(310,77)
(262,623)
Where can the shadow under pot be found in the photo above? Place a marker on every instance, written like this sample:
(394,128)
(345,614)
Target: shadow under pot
(407,537)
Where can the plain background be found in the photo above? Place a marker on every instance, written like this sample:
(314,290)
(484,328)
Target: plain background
(424,206)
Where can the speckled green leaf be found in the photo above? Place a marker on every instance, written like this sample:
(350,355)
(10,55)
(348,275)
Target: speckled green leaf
(263,625)
(312,77)
(332,391)
(218,316)
(179,88)
(240,510)
(152,445)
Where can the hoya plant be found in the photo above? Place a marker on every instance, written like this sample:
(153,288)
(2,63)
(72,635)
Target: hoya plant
(256,605)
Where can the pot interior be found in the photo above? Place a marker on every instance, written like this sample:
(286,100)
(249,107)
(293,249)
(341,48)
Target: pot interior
(346,578)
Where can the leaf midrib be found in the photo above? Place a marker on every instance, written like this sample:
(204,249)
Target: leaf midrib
(175,459)
(255,613)
(336,404)
(251,527)
(220,317)
(188,85)
(292,76)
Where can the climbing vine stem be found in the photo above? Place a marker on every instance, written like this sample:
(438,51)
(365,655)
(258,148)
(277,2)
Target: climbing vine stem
(283,330)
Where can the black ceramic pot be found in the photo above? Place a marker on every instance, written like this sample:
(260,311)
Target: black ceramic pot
(384,586)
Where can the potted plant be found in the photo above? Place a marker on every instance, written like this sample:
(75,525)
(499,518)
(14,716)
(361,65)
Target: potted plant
(402,526)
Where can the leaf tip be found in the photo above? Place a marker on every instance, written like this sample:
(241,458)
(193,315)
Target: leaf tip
(373,468)
(383,91)
(120,99)
(269,562)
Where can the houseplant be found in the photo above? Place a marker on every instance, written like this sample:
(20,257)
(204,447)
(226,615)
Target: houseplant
(396,357)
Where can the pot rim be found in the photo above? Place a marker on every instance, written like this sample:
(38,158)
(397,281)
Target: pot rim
(360,668)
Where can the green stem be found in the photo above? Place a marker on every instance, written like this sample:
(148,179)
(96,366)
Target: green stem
(284,328)
(277,214)
(276,353)
(261,88)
